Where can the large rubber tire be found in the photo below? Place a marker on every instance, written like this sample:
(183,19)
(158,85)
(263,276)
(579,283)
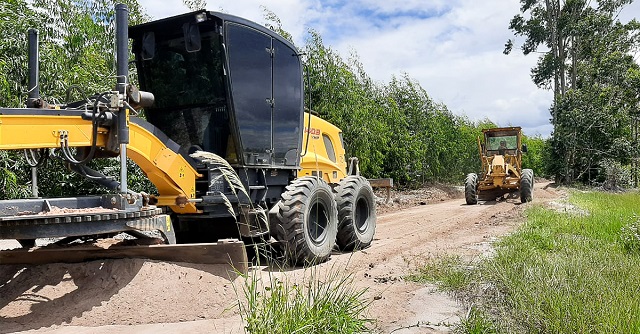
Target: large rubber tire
(526,186)
(471,189)
(356,213)
(307,221)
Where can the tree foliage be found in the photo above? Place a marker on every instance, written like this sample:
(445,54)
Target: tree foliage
(589,64)
(538,155)
(76,46)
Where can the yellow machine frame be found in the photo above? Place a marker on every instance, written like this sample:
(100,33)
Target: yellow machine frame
(323,137)
(172,175)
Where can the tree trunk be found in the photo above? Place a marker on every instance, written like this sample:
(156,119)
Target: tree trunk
(553,28)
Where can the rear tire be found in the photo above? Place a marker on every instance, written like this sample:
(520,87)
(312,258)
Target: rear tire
(356,213)
(471,189)
(526,186)
(306,221)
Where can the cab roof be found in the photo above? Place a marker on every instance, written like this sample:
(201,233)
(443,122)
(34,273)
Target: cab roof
(174,23)
(497,132)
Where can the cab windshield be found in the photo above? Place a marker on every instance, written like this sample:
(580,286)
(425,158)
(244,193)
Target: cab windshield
(502,142)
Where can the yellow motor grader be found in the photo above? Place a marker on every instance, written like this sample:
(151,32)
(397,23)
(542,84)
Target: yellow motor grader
(501,152)
(226,142)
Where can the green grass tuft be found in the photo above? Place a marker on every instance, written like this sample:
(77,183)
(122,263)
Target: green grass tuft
(476,322)
(320,304)
(446,271)
(630,236)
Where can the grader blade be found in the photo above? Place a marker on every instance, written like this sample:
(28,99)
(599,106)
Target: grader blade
(225,252)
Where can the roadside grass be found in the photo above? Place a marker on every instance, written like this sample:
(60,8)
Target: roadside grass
(561,272)
(319,303)
(446,271)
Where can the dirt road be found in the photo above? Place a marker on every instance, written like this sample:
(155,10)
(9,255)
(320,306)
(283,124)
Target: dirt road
(141,296)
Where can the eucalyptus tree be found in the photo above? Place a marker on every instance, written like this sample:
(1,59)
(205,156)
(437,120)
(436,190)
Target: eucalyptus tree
(342,93)
(16,16)
(586,58)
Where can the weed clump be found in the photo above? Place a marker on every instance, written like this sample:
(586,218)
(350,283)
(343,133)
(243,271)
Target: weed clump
(328,303)
(630,236)
(446,271)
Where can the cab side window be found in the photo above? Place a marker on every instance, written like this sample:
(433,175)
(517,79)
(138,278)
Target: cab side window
(331,153)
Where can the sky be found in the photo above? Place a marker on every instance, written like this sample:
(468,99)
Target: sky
(453,48)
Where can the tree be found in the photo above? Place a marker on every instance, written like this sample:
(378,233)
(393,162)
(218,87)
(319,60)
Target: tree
(15,18)
(342,94)
(195,5)
(587,66)
(395,129)
(538,150)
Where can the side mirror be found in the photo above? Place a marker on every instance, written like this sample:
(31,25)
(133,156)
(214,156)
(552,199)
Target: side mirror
(524,148)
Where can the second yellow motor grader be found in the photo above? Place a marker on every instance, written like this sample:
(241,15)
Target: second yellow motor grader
(501,152)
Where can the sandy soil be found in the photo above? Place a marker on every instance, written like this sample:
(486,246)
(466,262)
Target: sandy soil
(143,296)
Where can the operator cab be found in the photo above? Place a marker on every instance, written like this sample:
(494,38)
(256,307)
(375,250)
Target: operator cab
(224,85)
(502,142)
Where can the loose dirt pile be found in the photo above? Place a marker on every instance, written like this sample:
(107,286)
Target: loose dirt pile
(402,199)
(143,296)
(113,292)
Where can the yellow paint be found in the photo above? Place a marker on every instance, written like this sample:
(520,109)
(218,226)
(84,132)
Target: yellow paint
(168,220)
(169,172)
(39,131)
(316,158)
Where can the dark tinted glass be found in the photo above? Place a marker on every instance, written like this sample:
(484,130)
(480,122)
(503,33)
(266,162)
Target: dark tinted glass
(328,145)
(190,102)
(178,78)
(250,70)
(287,117)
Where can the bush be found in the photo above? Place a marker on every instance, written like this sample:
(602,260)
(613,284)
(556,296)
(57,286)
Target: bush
(630,236)
(616,176)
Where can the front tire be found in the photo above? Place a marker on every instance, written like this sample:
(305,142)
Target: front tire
(306,221)
(526,186)
(471,189)
(356,213)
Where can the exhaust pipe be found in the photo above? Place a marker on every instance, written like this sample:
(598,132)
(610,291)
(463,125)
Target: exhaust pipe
(122,46)
(122,65)
(33,100)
